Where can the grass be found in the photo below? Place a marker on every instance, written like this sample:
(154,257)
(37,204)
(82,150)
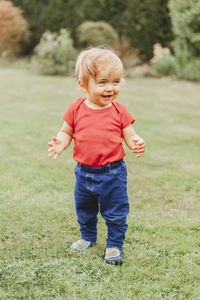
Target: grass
(37,215)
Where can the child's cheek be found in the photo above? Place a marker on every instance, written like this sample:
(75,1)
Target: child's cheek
(100,90)
(117,90)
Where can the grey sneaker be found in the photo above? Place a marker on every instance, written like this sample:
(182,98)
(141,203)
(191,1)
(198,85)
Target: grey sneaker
(114,256)
(80,245)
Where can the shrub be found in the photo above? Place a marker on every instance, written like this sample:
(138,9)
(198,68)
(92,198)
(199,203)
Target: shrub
(13,28)
(55,54)
(181,65)
(186,28)
(148,22)
(191,71)
(163,62)
(97,34)
(166,66)
(186,25)
(143,22)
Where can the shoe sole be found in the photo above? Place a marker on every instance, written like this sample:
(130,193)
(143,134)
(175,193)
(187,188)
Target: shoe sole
(80,250)
(114,262)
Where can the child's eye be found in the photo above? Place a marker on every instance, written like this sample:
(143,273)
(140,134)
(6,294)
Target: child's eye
(117,81)
(101,82)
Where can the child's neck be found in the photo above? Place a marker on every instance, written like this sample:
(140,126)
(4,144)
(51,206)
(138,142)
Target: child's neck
(95,106)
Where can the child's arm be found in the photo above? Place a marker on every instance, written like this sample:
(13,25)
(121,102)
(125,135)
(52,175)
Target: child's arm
(61,142)
(134,141)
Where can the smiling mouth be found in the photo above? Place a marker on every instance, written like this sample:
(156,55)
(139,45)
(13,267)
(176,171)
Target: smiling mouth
(107,96)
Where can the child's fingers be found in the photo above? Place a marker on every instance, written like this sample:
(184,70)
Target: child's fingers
(135,140)
(138,155)
(54,139)
(139,142)
(138,147)
(53,153)
(138,151)
(50,154)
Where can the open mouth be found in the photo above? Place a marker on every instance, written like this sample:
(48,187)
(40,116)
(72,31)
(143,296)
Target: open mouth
(107,96)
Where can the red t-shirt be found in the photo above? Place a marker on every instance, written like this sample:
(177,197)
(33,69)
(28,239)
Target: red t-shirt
(97,133)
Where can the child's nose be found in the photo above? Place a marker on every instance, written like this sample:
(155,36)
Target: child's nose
(109,87)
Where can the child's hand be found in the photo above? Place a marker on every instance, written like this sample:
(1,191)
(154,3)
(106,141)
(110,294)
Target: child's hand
(139,145)
(55,147)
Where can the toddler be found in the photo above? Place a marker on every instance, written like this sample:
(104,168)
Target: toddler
(99,124)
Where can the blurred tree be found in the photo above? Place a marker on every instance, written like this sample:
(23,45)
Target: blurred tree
(37,15)
(186,46)
(55,54)
(186,25)
(143,22)
(13,28)
(97,34)
(148,22)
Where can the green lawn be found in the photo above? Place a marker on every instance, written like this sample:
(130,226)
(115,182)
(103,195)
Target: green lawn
(37,215)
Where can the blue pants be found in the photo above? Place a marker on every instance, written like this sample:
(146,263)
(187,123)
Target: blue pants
(104,189)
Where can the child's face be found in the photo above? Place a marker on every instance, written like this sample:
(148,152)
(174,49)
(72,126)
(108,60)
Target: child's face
(106,86)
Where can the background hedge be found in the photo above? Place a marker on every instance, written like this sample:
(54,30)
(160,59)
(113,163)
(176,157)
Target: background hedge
(143,22)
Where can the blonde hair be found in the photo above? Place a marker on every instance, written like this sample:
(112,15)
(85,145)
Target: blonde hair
(88,61)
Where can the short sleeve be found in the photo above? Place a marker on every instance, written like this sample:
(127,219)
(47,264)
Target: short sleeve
(126,117)
(69,115)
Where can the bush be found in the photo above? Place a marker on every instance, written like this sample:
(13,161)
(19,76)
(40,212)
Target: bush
(142,22)
(163,62)
(186,28)
(181,65)
(148,22)
(55,54)
(97,34)
(191,71)
(186,25)
(165,66)
(13,28)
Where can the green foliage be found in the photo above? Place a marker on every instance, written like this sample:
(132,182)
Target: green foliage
(166,66)
(147,23)
(142,22)
(190,71)
(55,54)
(163,62)
(186,25)
(97,34)
(179,64)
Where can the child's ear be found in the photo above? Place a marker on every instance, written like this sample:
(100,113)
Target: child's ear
(82,86)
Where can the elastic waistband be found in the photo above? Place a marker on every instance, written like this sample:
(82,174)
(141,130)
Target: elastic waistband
(102,169)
